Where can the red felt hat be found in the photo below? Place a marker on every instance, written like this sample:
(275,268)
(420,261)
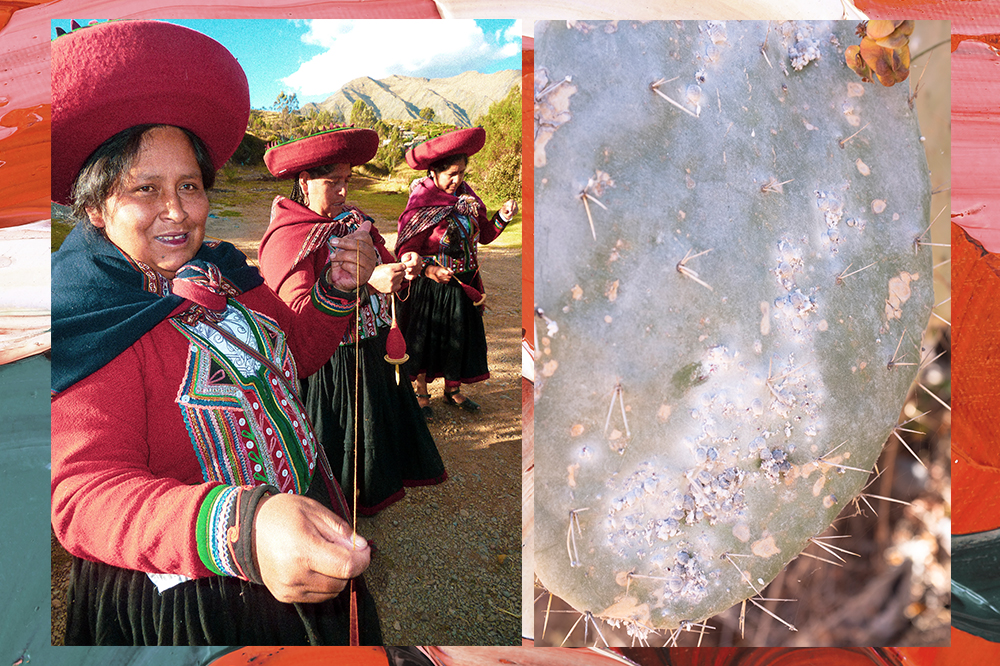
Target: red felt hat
(343,145)
(109,77)
(460,142)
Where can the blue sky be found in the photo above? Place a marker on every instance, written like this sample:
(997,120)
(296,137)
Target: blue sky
(314,58)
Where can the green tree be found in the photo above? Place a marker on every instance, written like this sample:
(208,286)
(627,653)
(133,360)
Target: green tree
(256,124)
(363,115)
(287,106)
(427,113)
(286,103)
(390,150)
(498,164)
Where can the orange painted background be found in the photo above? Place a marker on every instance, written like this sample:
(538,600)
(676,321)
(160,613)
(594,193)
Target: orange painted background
(24,175)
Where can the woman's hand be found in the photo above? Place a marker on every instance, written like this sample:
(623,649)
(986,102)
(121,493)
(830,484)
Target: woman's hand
(509,209)
(352,259)
(387,278)
(304,551)
(411,261)
(439,274)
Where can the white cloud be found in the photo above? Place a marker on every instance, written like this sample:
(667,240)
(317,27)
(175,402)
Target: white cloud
(379,48)
(510,49)
(513,33)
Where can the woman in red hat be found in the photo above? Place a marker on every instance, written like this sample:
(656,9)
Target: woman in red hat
(186,478)
(394,447)
(444,222)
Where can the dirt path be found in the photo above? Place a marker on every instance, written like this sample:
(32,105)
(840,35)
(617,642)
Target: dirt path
(448,562)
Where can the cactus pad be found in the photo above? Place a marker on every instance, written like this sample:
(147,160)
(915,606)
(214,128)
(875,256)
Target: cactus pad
(726,261)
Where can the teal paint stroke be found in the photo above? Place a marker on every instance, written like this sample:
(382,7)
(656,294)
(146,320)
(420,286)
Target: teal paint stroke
(25,579)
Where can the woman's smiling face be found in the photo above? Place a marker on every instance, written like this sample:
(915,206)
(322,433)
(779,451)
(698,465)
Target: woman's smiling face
(157,213)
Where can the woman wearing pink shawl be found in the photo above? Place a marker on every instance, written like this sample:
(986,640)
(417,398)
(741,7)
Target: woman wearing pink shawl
(444,222)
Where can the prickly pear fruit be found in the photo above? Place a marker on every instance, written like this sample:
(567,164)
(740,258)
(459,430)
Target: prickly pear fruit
(733,299)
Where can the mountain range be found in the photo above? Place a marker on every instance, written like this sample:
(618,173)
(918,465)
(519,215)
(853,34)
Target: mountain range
(457,100)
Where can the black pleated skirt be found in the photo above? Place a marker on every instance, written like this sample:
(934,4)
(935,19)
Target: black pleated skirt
(112,606)
(396,450)
(444,332)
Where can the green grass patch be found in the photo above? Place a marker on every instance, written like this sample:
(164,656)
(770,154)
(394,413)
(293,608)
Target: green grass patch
(228,213)
(60,230)
(510,239)
(385,204)
(247,193)
(238,186)
(511,236)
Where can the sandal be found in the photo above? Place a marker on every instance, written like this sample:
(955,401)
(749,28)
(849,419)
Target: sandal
(468,404)
(426,409)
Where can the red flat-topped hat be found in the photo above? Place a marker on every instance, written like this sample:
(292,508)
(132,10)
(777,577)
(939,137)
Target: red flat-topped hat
(464,141)
(341,145)
(112,76)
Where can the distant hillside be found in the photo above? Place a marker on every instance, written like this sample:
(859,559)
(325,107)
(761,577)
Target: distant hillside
(457,100)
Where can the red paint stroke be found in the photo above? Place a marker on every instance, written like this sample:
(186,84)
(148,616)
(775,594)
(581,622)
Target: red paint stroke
(929,9)
(975,456)
(975,119)
(993,41)
(965,650)
(24,165)
(8,7)
(24,120)
(304,656)
(767,656)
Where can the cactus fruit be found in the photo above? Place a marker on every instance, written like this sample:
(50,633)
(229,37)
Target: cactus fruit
(733,293)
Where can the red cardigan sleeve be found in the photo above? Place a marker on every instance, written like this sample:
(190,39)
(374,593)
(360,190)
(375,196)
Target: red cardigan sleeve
(127,486)
(490,230)
(426,243)
(296,289)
